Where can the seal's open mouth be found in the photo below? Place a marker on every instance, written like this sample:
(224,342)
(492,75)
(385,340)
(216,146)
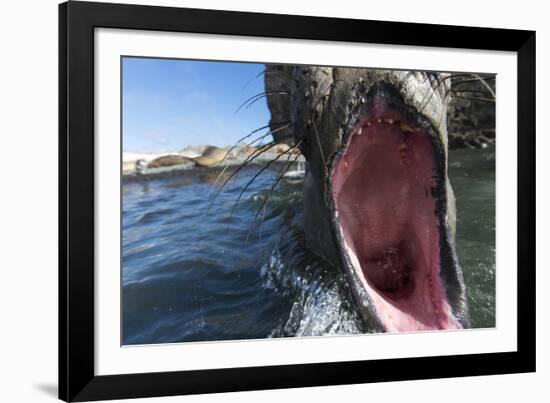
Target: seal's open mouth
(385,186)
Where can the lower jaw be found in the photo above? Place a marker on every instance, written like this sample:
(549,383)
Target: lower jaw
(418,306)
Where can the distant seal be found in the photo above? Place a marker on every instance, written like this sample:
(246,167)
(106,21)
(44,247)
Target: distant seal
(248,150)
(211,156)
(170,160)
(281,148)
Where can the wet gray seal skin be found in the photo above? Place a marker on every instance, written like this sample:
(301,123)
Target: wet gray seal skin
(377,200)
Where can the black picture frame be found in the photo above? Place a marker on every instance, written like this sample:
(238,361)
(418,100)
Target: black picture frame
(77,21)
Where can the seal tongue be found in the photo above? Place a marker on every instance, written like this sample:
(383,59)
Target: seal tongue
(383,187)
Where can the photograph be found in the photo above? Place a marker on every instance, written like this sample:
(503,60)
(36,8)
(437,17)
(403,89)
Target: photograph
(243,202)
(263,200)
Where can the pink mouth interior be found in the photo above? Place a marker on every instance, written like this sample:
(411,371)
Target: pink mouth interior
(383,187)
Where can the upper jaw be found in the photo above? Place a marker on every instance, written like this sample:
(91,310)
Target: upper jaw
(385,101)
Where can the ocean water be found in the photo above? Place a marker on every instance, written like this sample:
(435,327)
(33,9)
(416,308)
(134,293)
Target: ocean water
(196,270)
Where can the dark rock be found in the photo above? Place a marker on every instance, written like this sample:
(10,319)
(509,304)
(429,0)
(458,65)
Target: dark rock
(471,122)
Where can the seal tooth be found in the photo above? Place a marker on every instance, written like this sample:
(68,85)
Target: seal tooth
(379,120)
(369,123)
(360,131)
(388,121)
(405,127)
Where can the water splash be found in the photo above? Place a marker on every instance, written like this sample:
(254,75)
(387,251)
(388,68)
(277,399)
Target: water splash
(320,304)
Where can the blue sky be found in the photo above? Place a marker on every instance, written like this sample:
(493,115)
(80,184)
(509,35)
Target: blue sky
(169,104)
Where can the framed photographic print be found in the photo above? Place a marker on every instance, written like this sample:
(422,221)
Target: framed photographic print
(255,201)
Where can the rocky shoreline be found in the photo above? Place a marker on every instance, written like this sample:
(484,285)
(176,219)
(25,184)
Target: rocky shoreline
(471,116)
(201,159)
(472,139)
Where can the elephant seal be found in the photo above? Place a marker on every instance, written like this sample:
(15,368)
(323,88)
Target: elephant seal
(211,156)
(377,200)
(278,148)
(281,148)
(170,160)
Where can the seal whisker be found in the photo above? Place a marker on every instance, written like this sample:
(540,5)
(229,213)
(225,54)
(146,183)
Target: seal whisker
(431,94)
(470,78)
(280,175)
(466,91)
(251,133)
(258,174)
(485,84)
(473,80)
(253,78)
(438,82)
(250,101)
(319,143)
(270,132)
(248,160)
(481,99)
